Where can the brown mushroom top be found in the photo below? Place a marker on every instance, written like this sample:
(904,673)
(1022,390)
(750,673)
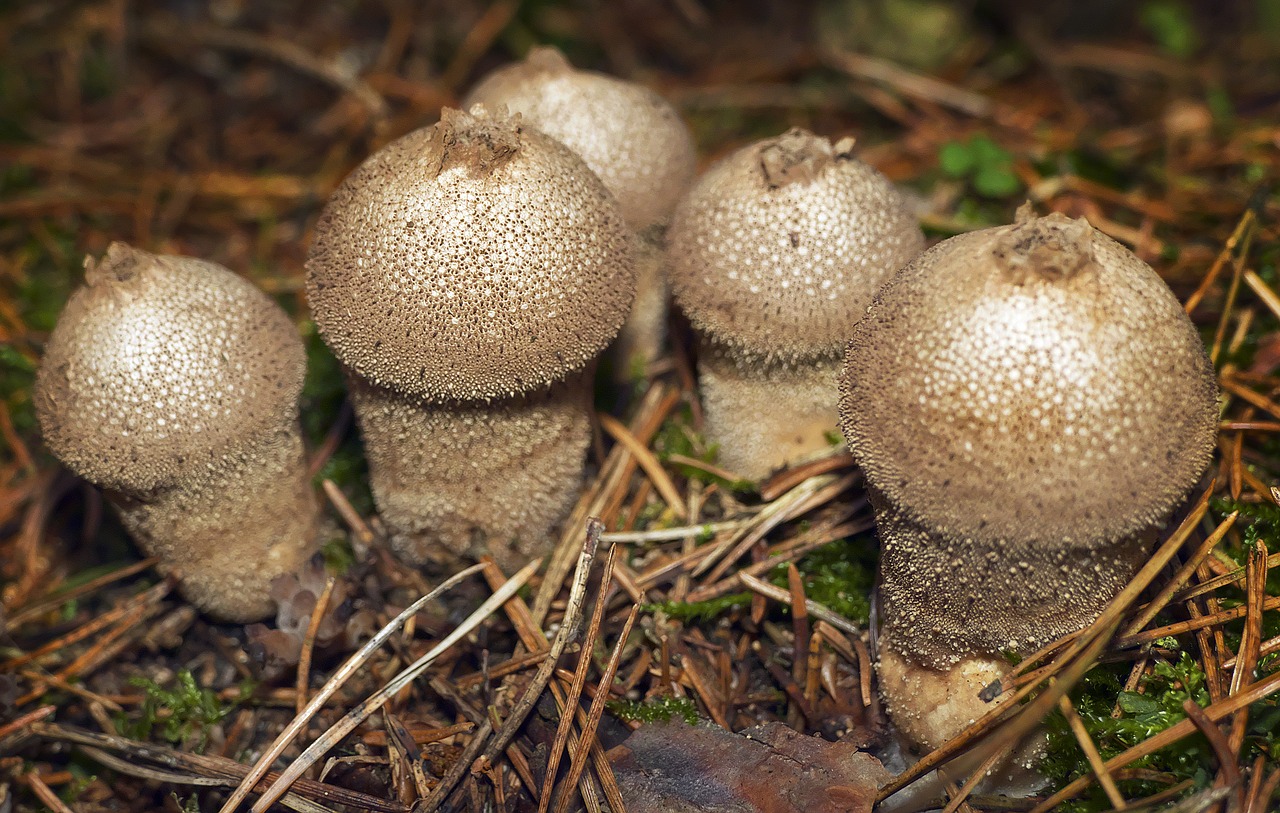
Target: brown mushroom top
(628,134)
(1031,382)
(779,248)
(161,366)
(472,259)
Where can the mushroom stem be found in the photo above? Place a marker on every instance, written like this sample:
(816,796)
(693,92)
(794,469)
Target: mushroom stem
(766,415)
(643,335)
(260,493)
(173,385)
(930,597)
(453,479)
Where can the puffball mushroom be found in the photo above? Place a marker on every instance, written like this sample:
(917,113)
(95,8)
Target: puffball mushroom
(630,137)
(173,384)
(467,275)
(774,255)
(1029,404)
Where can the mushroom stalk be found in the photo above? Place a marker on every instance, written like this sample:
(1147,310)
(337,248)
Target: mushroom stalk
(1029,404)
(468,275)
(774,255)
(454,478)
(173,384)
(252,518)
(765,415)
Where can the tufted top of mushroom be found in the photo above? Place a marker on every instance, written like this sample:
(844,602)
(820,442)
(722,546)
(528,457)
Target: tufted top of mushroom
(628,134)
(472,259)
(1041,356)
(160,366)
(780,247)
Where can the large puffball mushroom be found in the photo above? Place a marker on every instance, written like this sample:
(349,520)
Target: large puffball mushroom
(632,139)
(774,255)
(1029,404)
(173,384)
(467,275)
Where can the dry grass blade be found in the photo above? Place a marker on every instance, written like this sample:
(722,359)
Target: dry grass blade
(579,759)
(672,534)
(1214,712)
(375,701)
(331,686)
(1150,611)
(567,632)
(290,800)
(1091,753)
(576,687)
(1244,226)
(653,408)
(309,643)
(208,769)
(652,468)
(79,591)
(818,611)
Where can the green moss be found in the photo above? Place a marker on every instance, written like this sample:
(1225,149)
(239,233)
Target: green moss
(839,576)
(676,436)
(655,709)
(692,612)
(1156,708)
(180,712)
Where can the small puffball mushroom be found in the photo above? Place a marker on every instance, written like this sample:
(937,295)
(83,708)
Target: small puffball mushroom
(1029,404)
(467,275)
(173,384)
(774,255)
(630,137)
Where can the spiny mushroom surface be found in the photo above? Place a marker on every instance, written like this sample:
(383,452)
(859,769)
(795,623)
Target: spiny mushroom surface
(774,255)
(173,384)
(465,274)
(1029,404)
(632,139)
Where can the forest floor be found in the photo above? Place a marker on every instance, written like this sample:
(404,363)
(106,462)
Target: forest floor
(219,132)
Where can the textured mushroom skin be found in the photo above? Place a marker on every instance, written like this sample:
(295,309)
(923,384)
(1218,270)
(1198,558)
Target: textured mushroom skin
(627,134)
(992,402)
(453,263)
(159,366)
(1029,404)
(173,384)
(466,274)
(204,533)
(633,140)
(773,256)
(765,416)
(779,248)
(484,459)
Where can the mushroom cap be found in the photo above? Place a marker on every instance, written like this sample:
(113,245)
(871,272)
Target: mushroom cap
(160,367)
(1034,383)
(628,134)
(779,248)
(472,259)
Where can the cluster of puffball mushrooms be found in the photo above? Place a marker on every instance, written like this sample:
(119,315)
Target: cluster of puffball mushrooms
(1029,403)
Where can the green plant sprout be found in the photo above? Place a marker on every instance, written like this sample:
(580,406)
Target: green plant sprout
(984,164)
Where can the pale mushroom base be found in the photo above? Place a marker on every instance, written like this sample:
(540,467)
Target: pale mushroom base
(460,480)
(231,533)
(764,419)
(929,707)
(640,342)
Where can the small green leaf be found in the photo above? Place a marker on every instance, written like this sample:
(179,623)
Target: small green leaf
(996,182)
(956,159)
(1134,703)
(1172,27)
